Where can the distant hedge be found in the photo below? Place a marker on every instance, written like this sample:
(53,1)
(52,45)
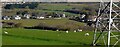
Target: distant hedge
(32,5)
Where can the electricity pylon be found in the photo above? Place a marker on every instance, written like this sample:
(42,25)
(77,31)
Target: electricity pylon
(107,24)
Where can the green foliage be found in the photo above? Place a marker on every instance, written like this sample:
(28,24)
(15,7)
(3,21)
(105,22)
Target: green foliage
(71,26)
(32,5)
(59,8)
(27,7)
(18,13)
(18,25)
(119,4)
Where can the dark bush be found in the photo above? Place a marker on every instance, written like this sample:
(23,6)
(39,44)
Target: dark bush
(17,25)
(8,24)
(72,11)
(11,25)
(70,26)
(3,22)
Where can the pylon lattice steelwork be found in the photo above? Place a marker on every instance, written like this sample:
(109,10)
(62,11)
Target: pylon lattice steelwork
(107,24)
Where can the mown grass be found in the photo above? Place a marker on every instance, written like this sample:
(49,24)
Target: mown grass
(42,37)
(19,36)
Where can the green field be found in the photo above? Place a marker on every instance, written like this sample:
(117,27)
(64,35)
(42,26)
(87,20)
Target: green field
(58,23)
(34,22)
(22,36)
(19,36)
(50,8)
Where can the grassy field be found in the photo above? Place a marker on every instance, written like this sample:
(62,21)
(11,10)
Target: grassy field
(46,7)
(41,37)
(33,22)
(19,36)
(63,23)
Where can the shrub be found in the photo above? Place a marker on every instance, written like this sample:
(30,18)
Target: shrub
(10,24)
(17,25)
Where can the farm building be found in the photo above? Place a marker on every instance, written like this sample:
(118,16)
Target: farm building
(5,18)
(57,15)
(17,17)
(26,16)
(40,17)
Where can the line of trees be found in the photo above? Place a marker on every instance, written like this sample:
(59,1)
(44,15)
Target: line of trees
(31,5)
(88,10)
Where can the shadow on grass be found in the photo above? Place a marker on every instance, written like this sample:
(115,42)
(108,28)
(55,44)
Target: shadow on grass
(79,44)
(46,39)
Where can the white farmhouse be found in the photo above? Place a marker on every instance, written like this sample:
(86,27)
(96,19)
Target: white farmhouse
(50,16)
(17,17)
(40,17)
(5,18)
(63,16)
(27,16)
